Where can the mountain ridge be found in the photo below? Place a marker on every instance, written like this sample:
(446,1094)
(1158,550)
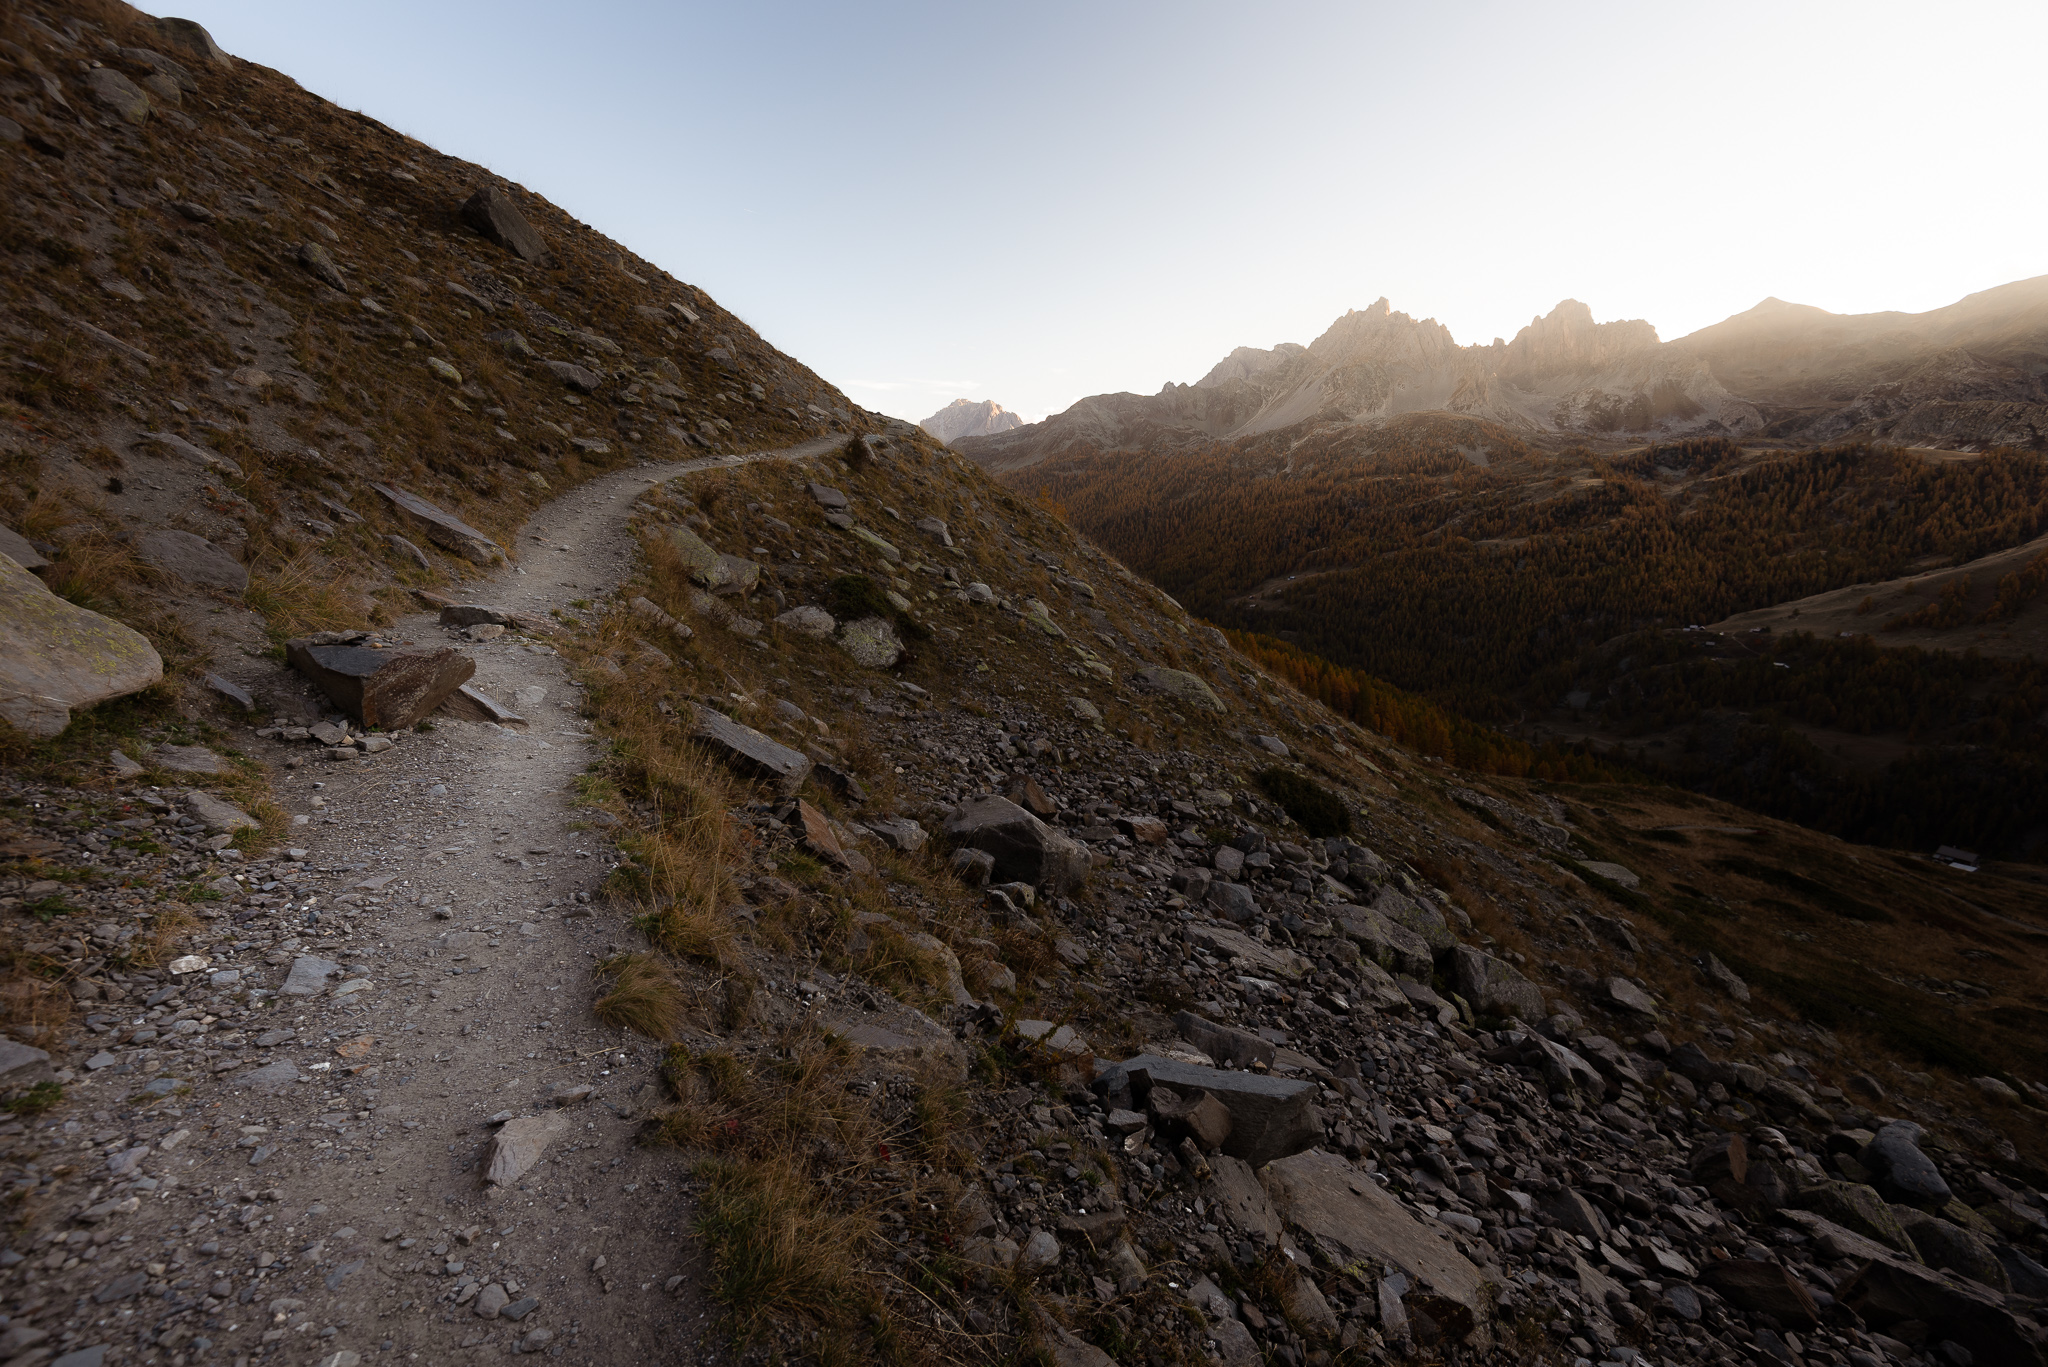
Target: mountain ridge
(1967,373)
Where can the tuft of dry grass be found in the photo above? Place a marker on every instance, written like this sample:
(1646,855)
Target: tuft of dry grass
(159,945)
(644,997)
(304,595)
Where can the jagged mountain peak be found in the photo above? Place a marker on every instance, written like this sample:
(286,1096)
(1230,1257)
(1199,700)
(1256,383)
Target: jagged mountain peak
(970,418)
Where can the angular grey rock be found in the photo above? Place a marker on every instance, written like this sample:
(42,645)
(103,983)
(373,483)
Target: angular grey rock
(15,547)
(308,976)
(935,529)
(1493,986)
(443,528)
(193,559)
(1258,956)
(270,1078)
(1626,996)
(1726,979)
(729,575)
(190,37)
(21,1066)
(217,815)
(1270,1117)
(518,1145)
(55,656)
(871,641)
(389,690)
(124,767)
(1347,1213)
(1943,1244)
(652,615)
(746,751)
(1887,1293)
(807,621)
(411,552)
(1176,683)
(232,691)
(118,93)
(493,214)
(899,833)
(1233,901)
(1394,948)
(1224,1043)
(187,759)
(1418,916)
(199,455)
(315,261)
(490,1301)
(1902,1170)
(1025,849)
(827,497)
(574,376)
(1272,745)
(512,342)
(470,614)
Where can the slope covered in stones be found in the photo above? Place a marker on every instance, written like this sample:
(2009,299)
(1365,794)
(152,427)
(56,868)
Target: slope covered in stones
(858,917)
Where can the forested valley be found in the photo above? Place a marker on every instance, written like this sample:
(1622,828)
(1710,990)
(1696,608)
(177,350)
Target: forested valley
(1528,614)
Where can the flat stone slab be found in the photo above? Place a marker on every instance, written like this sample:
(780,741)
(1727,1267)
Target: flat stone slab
(746,751)
(21,1065)
(271,1077)
(1270,1117)
(56,656)
(1334,1202)
(309,976)
(218,815)
(390,690)
(187,759)
(1253,955)
(444,528)
(519,1144)
(193,559)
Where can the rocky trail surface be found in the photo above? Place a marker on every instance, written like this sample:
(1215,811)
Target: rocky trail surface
(309,1170)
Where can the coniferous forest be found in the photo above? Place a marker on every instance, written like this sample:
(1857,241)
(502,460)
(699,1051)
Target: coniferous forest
(1545,595)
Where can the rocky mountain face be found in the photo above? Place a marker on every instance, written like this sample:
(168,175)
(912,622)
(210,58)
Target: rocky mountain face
(1965,376)
(968,418)
(622,855)
(1968,375)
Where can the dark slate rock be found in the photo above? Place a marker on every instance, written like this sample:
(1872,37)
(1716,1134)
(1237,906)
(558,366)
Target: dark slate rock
(491,212)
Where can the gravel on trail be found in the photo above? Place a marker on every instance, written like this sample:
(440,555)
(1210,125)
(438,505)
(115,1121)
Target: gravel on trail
(291,1142)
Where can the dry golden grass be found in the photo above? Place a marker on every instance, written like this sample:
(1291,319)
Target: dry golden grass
(159,944)
(644,996)
(303,595)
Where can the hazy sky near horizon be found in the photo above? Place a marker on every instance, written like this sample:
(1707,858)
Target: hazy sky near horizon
(1036,202)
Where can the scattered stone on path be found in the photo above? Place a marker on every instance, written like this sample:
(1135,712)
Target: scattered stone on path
(386,689)
(216,814)
(519,1143)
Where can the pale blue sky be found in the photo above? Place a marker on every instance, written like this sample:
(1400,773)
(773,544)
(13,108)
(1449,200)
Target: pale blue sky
(1036,202)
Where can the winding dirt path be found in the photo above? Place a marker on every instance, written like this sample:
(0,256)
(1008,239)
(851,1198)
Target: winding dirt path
(328,1195)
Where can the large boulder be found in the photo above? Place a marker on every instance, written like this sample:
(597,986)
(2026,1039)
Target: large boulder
(1262,957)
(749,753)
(1943,1244)
(56,656)
(871,641)
(1493,987)
(1415,915)
(1224,1043)
(193,559)
(1394,948)
(1859,1209)
(1025,849)
(1903,1172)
(493,214)
(189,37)
(388,690)
(444,528)
(1348,1214)
(1175,683)
(1890,1292)
(1270,1117)
(728,575)
(118,93)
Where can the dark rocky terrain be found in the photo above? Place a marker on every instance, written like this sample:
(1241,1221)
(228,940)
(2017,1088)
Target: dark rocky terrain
(843,914)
